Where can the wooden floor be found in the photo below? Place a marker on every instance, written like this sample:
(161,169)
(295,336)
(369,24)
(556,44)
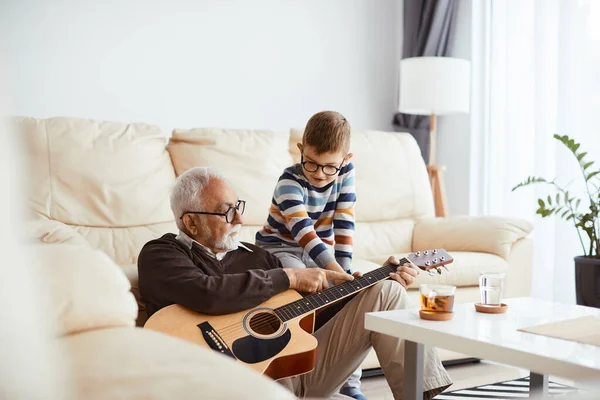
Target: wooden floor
(463,376)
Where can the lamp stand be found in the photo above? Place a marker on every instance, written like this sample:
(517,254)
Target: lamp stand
(436,174)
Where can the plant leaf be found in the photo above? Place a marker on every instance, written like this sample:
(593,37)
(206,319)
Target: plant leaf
(541,203)
(577,203)
(581,155)
(530,181)
(564,214)
(549,200)
(590,176)
(587,165)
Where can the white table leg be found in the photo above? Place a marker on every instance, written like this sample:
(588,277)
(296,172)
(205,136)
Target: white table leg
(413,370)
(538,385)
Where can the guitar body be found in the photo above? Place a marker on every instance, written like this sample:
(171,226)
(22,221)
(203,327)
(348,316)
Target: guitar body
(255,337)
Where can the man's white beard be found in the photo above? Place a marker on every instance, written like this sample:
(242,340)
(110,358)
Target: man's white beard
(229,241)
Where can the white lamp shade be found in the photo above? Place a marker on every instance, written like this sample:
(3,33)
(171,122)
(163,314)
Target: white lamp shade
(434,85)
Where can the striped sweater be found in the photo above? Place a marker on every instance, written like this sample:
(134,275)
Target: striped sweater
(311,217)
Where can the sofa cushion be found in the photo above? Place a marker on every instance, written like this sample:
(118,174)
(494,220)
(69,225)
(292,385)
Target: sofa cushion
(134,363)
(92,173)
(252,161)
(87,290)
(494,235)
(463,272)
(379,156)
(50,231)
(99,176)
(378,240)
(123,244)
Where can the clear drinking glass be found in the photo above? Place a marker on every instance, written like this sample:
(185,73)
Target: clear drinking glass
(491,286)
(437,298)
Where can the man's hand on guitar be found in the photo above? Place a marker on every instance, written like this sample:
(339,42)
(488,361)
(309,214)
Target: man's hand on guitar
(405,274)
(312,280)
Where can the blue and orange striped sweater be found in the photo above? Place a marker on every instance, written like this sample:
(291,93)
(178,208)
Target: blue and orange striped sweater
(311,217)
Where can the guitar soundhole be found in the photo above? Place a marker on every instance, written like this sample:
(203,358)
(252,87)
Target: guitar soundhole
(264,323)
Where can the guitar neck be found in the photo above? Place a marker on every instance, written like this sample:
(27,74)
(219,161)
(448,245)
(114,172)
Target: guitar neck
(328,296)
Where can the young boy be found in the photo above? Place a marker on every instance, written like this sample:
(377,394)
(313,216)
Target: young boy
(312,208)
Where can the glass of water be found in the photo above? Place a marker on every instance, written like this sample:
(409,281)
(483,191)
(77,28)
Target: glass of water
(491,286)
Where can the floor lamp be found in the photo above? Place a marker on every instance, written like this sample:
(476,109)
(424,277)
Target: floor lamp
(435,86)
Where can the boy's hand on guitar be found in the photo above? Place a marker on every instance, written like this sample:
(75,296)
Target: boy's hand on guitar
(405,274)
(312,280)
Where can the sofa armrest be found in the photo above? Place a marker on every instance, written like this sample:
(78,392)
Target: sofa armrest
(86,289)
(52,231)
(495,235)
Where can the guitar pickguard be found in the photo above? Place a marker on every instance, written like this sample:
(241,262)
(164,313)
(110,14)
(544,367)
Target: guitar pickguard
(251,350)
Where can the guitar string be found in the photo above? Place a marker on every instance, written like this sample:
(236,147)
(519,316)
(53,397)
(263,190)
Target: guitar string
(232,332)
(263,321)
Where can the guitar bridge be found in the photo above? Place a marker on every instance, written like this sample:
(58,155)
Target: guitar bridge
(214,340)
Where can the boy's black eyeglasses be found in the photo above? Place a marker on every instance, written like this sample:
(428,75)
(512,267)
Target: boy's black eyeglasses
(229,215)
(328,170)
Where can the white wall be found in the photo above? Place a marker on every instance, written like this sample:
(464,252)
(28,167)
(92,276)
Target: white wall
(234,63)
(454,131)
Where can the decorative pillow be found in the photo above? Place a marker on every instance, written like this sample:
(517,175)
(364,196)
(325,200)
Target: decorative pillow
(86,289)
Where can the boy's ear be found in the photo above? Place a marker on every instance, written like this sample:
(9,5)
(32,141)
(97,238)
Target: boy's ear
(300,147)
(348,157)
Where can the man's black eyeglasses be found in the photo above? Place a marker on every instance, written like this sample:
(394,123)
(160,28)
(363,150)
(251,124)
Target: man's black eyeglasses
(229,215)
(328,170)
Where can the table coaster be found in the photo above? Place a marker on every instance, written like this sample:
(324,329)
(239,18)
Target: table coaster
(482,308)
(436,316)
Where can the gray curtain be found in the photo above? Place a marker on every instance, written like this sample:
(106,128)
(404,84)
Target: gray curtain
(427,27)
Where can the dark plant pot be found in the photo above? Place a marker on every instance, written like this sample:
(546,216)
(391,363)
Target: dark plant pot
(587,281)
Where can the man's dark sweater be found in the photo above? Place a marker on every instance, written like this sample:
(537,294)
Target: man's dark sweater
(172,273)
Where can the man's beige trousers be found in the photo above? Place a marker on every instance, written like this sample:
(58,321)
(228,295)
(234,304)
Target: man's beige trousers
(344,343)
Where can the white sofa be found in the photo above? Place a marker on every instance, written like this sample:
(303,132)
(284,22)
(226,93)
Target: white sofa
(106,185)
(102,355)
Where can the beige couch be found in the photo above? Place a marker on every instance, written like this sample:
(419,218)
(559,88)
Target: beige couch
(101,354)
(106,185)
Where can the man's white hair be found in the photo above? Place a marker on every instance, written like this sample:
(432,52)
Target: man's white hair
(187,191)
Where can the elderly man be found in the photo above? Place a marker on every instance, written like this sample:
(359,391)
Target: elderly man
(207,269)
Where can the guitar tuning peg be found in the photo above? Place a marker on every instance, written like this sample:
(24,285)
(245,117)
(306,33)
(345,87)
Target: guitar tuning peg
(434,251)
(427,263)
(442,258)
(426,252)
(418,253)
(435,260)
(439,271)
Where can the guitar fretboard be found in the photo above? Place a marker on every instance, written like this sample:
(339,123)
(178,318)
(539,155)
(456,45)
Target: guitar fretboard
(335,293)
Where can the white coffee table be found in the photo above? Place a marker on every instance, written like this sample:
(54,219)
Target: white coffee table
(494,337)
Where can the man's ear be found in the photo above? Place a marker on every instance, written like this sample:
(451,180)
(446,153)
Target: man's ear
(190,224)
(300,147)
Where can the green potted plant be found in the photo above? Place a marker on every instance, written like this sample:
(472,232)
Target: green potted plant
(585,220)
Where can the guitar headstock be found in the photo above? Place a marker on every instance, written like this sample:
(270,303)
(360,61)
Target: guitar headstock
(431,260)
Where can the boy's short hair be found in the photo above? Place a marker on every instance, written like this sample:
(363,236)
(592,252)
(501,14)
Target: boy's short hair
(327,131)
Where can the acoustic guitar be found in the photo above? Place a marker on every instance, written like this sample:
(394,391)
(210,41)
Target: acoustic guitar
(275,337)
